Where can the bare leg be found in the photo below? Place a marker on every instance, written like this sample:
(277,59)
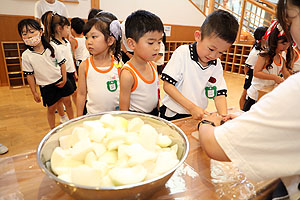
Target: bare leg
(68,105)
(60,108)
(74,97)
(243,98)
(51,115)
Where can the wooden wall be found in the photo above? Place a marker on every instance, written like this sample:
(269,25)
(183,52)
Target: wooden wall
(9,32)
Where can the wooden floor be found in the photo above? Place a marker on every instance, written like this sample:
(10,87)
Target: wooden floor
(23,122)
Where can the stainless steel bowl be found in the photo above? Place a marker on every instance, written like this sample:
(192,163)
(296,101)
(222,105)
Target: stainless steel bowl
(134,191)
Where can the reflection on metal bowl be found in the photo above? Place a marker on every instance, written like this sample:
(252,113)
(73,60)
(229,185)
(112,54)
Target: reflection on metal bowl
(140,190)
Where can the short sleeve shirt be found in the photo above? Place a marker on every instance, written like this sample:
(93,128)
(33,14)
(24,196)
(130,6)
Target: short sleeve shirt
(46,69)
(42,6)
(190,78)
(252,58)
(264,142)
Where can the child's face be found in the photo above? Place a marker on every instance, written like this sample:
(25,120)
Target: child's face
(210,48)
(29,32)
(282,45)
(65,31)
(148,45)
(95,41)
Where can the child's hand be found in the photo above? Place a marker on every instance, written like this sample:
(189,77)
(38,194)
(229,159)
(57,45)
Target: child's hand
(37,97)
(215,118)
(61,83)
(198,113)
(278,79)
(229,117)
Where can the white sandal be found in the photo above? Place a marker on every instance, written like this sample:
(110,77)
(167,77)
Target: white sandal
(3,149)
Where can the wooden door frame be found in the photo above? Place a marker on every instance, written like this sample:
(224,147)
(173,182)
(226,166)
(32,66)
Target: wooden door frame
(95,4)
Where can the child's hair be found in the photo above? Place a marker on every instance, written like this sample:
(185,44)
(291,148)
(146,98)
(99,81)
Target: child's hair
(93,12)
(108,25)
(272,42)
(50,21)
(77,24)
(282,15)
(222,24)
(35,25)
(258,35)
(140,22)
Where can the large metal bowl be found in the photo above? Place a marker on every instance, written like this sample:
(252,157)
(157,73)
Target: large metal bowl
(141,190)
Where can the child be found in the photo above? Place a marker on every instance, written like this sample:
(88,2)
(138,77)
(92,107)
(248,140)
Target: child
(251,60)
(44,67)
(78,41)
(194,73)
(270,64)
(98,81)
(139,78)
(57,29)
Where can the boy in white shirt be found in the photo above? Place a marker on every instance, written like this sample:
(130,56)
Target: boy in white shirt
(194,73)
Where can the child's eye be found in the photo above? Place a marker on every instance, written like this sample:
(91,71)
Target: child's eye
(86,38)
(210,49)
(150,43)
(94,37)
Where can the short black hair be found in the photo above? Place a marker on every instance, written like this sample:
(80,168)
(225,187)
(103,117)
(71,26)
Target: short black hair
(93,12)
(222,24)
(140,22)
(77,24)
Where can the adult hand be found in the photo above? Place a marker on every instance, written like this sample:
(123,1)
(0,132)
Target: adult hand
(214,117)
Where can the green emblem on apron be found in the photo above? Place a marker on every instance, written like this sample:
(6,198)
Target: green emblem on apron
(112,85)
(211,92)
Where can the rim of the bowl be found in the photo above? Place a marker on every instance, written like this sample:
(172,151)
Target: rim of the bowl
(53,131)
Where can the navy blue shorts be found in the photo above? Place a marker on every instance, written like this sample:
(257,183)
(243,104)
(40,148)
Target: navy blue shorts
(71,78)
(248,79)
(51,93)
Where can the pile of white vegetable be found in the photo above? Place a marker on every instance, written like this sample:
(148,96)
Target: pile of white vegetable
(113,151)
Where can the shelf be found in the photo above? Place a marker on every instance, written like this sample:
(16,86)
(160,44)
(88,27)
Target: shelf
(12,54)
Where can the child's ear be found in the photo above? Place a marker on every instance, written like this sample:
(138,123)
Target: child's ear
(131,43)
(197,35)
(110,40)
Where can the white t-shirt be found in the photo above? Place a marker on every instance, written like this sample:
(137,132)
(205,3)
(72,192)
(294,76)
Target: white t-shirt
(252,58)
(258,84)
(42,6)
(46,70)
(103,87)
(66,50)
(81,52)
(190,78)
(264,142)
(144,96)
(161,51)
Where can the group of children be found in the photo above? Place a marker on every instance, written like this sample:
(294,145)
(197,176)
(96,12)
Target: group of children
(193,75)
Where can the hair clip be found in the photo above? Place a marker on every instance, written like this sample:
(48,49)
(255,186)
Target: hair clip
(115,29)
(274,24)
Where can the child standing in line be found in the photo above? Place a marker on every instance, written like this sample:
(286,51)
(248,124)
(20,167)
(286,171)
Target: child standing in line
(258,46)
(98,81)
(57,29)
(78,41)
(194,73)
(44,67)
(270,64)
(139,78)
